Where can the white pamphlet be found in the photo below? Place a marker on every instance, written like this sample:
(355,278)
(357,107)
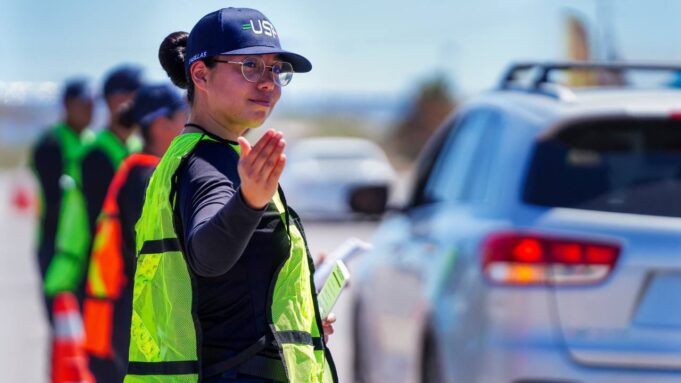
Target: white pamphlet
(346,252)
(332,288)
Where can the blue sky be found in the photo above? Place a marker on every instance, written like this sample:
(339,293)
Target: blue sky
(357,47)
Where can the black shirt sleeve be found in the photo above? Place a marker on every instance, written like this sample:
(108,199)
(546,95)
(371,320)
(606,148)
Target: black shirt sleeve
(97,173)
(48,166)
(217,224)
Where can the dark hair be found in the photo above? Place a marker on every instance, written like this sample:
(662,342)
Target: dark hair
(171,55)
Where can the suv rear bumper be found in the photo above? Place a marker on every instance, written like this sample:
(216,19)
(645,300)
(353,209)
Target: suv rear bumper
(509,335)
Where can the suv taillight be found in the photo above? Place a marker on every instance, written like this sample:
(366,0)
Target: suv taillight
(533,259)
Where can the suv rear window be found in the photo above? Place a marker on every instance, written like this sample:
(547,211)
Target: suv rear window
(625,165)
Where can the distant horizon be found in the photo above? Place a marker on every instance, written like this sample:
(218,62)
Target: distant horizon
(369,58)
(21,122)
(356,47)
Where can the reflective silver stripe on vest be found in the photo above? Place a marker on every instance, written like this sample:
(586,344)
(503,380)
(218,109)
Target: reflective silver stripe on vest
(298,337)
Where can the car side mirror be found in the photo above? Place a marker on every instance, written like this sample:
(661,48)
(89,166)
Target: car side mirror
(370,200)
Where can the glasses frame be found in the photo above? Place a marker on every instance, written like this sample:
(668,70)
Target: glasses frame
(275,78)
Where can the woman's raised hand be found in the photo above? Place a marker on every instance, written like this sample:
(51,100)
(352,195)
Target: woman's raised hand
(260,167)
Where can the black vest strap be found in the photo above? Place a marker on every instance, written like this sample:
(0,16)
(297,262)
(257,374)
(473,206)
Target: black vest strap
(286,209)
(236,360)
(317,343)
(160,246)
(248,362)
(266,368)
(163,368)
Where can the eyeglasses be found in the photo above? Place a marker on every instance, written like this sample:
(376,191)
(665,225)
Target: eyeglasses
(253,69)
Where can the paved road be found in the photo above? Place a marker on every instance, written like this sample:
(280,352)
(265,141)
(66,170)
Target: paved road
(325,237)
(23,332)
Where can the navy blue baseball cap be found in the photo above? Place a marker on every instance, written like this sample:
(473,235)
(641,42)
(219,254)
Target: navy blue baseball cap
(123,79)
(238,31)
(77,89)
(153,101)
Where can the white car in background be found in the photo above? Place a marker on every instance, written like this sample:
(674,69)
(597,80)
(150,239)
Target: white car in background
(325,177)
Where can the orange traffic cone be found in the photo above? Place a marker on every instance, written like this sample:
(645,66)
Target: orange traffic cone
(21,198)
(69,360)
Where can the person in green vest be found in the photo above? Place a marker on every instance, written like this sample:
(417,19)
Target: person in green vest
(84,185)
(159,112)
(51,154)
(223,288)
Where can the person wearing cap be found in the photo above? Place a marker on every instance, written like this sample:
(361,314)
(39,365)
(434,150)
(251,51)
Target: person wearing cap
(159,112)
(51,155)
(223,288)
(84,187)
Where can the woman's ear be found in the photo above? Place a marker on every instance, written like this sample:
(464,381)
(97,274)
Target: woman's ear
(199,74)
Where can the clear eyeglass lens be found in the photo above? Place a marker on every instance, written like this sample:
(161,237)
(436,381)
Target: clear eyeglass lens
(282,72)
(252,69)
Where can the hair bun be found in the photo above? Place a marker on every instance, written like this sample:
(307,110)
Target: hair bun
(171,55)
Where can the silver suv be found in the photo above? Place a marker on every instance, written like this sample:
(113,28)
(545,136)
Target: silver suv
(542,242)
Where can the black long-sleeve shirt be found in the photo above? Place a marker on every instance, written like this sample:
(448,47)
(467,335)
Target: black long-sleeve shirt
(233,250)
(97,171)
(48,165)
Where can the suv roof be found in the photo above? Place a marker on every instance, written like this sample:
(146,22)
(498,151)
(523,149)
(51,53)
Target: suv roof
(545,103)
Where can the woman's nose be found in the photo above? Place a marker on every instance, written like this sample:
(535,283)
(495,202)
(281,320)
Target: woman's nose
(266,81)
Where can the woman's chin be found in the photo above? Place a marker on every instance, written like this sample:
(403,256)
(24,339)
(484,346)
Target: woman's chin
(257,119)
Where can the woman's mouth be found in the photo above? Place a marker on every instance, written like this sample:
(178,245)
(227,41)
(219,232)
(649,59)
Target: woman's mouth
(262,102)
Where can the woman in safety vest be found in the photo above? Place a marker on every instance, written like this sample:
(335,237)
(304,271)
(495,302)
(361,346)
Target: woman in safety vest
(159,112)
(223,289)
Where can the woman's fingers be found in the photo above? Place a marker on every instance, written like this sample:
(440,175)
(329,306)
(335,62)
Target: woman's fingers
(275,173)
(254,153)
(330,319)
(260,167)
(273,158)
(268,156)
(327,326)
(245,146)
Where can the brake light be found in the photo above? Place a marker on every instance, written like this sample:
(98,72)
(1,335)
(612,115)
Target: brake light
(532,259)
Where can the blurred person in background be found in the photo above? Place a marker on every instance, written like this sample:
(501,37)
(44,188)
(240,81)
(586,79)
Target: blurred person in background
(51,155)
(223,289)
(85,184)
(159,112)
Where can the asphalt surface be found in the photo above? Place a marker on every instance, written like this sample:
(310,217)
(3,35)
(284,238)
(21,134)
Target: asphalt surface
(23,330)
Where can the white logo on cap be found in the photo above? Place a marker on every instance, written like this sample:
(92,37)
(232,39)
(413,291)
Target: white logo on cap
(198,56)
(263,26)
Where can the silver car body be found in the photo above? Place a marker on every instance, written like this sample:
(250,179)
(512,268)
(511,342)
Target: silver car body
(423,301)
